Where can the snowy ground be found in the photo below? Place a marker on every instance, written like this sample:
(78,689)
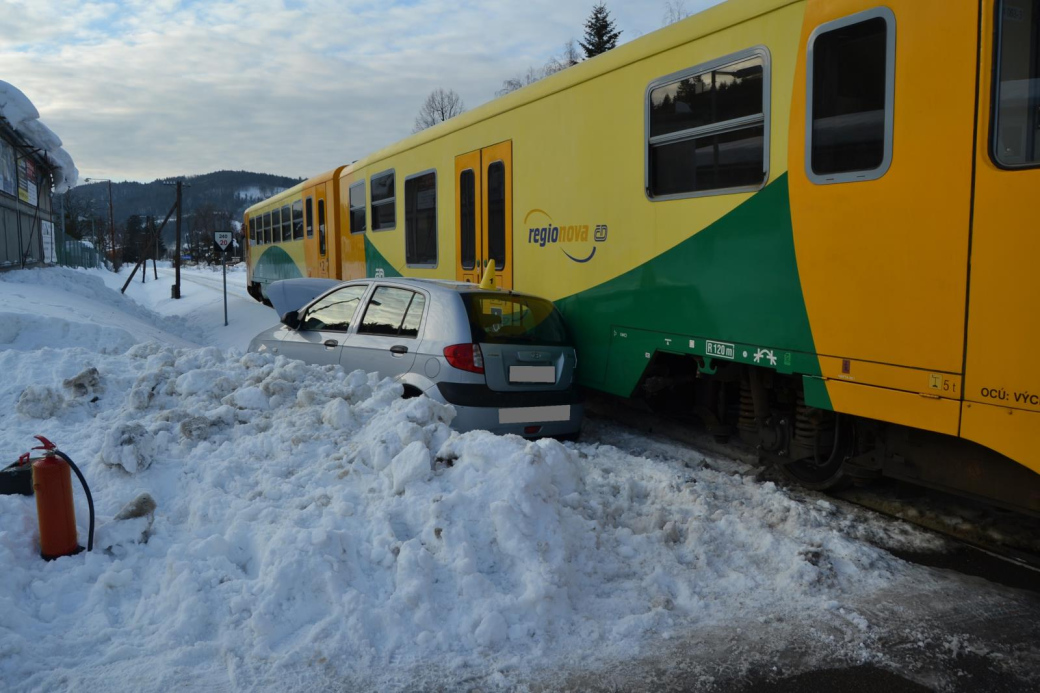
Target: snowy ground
(314,531)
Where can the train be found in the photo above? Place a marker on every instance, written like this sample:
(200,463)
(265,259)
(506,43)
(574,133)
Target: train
(807,223)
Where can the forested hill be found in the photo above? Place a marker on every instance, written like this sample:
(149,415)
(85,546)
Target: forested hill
(227,191)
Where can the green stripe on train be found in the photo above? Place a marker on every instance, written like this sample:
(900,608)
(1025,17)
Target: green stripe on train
(275,264)
(375,262)
(730,292)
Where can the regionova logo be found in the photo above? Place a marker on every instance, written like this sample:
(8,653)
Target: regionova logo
(577,241)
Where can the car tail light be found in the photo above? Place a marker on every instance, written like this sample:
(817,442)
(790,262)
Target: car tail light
(465,357)
(531,430)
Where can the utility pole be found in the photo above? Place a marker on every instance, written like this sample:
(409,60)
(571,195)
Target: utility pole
(177,256)
(112,226)
(99,252)
(175,290)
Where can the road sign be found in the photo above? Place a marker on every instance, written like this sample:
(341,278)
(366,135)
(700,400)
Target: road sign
(223,239)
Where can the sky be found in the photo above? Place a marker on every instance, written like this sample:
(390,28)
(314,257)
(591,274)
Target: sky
(144,89)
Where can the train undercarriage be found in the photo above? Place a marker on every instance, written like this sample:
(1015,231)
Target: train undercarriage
(825,450)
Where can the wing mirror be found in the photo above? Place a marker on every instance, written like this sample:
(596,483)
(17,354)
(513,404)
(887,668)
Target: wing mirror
(291,319)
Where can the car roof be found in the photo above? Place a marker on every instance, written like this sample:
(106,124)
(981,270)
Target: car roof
(441,285)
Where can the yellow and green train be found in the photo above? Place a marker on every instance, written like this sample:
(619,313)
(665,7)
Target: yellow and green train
(808,221)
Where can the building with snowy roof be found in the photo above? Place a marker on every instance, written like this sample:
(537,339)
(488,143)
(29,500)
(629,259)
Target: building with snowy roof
(33,166)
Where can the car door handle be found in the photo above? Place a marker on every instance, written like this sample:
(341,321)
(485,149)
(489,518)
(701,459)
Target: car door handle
(399,350)
(331,343)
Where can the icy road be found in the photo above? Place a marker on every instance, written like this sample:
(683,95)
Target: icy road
(314,531)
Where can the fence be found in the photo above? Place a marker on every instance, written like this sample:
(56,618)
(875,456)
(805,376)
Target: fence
(73,253)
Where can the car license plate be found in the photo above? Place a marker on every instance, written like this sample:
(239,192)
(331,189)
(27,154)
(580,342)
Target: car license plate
(518,415)
(532,374)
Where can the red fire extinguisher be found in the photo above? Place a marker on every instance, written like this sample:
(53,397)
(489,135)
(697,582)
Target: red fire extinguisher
(52,484)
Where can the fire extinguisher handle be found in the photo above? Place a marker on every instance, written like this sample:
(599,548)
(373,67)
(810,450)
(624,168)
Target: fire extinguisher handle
(86,489)
(45,444)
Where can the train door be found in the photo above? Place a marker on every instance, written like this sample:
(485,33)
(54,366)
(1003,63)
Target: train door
(310,247)
(879,174)
(352,226)
(1002,372)
(468,218)
(484,213)
(321,227)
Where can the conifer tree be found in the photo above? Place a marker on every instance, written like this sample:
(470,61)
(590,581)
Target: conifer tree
(600,32)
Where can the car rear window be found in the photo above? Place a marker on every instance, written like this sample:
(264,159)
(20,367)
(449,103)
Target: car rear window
(503,319)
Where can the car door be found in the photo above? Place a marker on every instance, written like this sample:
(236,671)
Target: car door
(389,332)
(324,326)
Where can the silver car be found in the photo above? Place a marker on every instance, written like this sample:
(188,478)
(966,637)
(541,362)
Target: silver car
(504,360)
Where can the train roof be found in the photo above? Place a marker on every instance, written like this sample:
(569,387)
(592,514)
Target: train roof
(294,190)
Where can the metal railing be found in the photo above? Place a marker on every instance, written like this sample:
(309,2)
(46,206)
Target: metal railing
(73,253)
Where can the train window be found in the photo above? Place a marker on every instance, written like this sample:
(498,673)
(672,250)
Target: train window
(496,214)
(851,93)
(267,227)
(420,220)
(335,311)
(383,201)
(252,231)
(468,219)
(357,207)
(297,220)
(309,215)
(1016,96)
(707,128)
(321,227)
(276,225)
(389,311)
(286,223)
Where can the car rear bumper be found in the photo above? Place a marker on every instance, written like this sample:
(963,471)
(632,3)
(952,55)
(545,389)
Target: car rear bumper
(527,414)
(480,395)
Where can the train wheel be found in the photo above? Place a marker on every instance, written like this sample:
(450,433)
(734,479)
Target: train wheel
(824,471)
(819,476)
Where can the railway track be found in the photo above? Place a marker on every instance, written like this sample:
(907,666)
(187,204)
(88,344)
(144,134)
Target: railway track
(217,282)
(986,541)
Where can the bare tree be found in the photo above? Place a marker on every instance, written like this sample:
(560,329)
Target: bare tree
(675,11)
(570,56)
(438,107)
(532,75)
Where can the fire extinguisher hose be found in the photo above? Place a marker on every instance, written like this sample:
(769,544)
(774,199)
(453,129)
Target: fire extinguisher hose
(86,489)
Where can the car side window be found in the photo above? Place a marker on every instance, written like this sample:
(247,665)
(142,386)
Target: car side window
(393,312)
(335,311)
(410,326)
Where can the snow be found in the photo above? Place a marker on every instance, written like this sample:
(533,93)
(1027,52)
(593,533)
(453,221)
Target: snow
(255,193)
(19,111)
(198,316)
(296,527)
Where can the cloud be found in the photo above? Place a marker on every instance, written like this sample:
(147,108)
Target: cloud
(142,89)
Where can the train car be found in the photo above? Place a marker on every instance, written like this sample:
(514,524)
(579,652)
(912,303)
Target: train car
(294,234)
(807,222)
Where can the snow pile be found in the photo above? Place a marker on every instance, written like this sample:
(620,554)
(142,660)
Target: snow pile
(58,306)
(311,526)
(265,524)
(19,111)
(26,332)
